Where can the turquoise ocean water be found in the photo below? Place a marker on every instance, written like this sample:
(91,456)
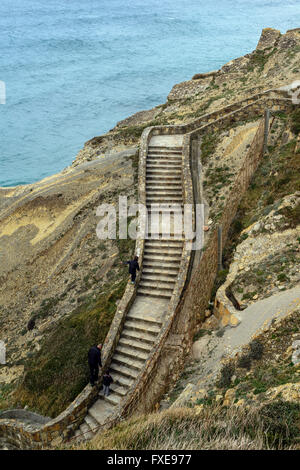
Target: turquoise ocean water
(73,68)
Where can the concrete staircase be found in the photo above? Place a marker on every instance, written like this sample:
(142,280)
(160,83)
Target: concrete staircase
(161,261)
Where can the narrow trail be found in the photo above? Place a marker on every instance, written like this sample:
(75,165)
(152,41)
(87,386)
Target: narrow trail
(209,350)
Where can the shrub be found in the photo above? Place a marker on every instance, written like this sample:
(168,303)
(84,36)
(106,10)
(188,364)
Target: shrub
(256,350)
(296,121)
(281,423)
(244,361)
(226,374)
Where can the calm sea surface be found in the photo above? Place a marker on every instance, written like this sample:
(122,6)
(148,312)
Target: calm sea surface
(73,68)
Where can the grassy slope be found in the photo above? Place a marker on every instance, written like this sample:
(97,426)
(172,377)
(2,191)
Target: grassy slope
(59,370)
(270,426)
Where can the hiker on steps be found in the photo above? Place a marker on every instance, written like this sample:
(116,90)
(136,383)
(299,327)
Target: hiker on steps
(107,380)
(94,359)
(133,266)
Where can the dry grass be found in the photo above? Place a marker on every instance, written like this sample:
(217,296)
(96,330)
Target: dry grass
(213,428)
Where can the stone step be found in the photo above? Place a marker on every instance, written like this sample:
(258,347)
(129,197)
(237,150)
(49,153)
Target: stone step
(123,370)
(163,171)
(162,199)
(164,236)
(101,410)
(163,165)
(112,398)
(168,155)
(138,335)
(121,380)
(163,160)
(162,267)
(160,278)
(165,250)
(79,437)
(172,178)
(152,254)
(163,149)
(86,431)
(131,353)
(142,325)
(153,293)
(157,271)
(128,362)
(138,345)
(92,423)
(160,184)
(162,259)
(145,320)
(164,192)
(164,207)
(162,243)
(163,183)
(160,285)
(119,390)
(164,189)
(140,316)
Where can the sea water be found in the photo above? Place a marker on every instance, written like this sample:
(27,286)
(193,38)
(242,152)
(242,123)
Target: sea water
(73,68)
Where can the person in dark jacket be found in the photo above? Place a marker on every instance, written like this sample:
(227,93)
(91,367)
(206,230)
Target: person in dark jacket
(133,266)
(107,380)
(94,359)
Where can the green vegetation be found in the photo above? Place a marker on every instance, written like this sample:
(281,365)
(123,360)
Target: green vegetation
(58,372)
(208,146)
(47,307)
(259,58)
(226,374)
(296,121)
(270,426)
(216,179)
(200,333)
(5,395)
(135,132)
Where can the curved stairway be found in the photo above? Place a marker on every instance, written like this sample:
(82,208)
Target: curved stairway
(161,261)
